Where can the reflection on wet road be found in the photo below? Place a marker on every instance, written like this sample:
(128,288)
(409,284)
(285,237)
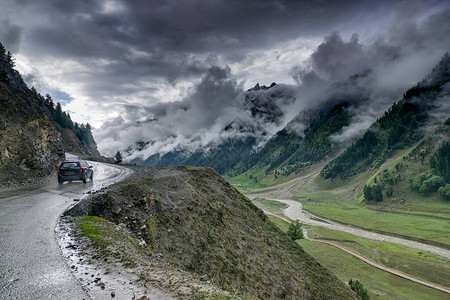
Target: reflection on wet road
(31,264)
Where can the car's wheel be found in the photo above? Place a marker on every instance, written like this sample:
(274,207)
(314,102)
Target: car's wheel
(60,181)
(84,179)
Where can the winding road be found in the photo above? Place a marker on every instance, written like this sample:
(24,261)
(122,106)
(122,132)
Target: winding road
(31,263)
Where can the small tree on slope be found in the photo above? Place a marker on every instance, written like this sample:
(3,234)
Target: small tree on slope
(359,289)
(295,230)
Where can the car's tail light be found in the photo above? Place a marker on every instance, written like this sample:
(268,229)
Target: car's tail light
(59,170)
(81,170)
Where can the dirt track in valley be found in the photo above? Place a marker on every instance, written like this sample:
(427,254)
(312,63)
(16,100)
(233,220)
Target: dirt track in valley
(369,261)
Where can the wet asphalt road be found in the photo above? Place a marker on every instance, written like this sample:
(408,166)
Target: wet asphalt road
(31,263)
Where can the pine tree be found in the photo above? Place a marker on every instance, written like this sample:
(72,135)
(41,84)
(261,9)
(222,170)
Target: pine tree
(2,51)
(377,193)
(10,59)
(58,114)
(118,157)
(367,192)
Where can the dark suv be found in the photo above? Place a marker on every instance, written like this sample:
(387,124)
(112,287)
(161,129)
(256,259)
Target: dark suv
(73,169)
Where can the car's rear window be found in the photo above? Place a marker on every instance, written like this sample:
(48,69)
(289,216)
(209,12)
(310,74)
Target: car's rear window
(70,164)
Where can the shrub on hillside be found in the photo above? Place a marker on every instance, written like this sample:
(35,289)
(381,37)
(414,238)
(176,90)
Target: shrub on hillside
(445,192)
(414,185)
(432,184)
(359,288)
(295,230)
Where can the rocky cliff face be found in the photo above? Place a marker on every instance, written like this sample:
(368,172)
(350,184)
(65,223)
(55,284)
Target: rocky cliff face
(30,145)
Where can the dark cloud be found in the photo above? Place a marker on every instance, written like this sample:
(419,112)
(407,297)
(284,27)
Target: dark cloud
(375,74)
(169,33)
(10,35)
(128,61)
(372,74)
(196,121)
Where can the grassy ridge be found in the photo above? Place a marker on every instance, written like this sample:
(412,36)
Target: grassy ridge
(201,224)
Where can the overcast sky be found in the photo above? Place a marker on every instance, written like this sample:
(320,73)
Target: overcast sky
(117,60)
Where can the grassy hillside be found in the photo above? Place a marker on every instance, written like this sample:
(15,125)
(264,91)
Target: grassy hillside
(403,209)
(202,224)
(288,152)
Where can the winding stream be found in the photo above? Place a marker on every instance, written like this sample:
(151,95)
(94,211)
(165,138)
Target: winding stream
(294,211)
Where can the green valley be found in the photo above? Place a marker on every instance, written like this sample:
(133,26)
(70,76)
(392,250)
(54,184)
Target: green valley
(393,180)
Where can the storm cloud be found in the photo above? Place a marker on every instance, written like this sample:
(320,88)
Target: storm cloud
(375,73)
(174,73)
(11,35)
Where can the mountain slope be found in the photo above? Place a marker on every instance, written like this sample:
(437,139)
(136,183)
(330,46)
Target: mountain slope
(32,140)
(401,126)
(198,222)
(261,108)
(289,151)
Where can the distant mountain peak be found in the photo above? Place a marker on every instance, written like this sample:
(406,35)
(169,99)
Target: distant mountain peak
(257,87)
